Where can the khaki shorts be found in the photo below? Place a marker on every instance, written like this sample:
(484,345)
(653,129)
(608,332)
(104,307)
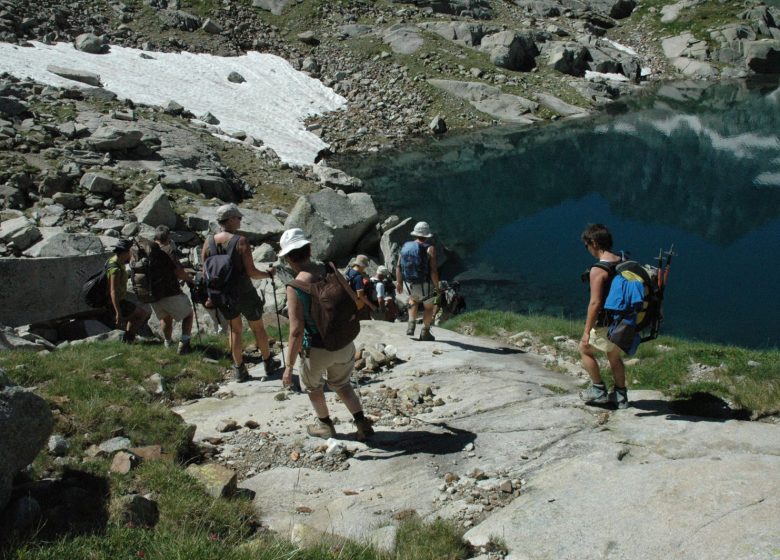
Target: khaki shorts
(418,292)
(176,307)
(337,367)
(599,340)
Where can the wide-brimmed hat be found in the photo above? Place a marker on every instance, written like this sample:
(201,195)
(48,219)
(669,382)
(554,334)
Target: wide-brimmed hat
(291,240)
(421,229)
(382,270)
(228,211)
(360,260)
(123,245)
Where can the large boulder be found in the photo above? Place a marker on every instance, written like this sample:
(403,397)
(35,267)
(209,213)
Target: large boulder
(156,210)
(335,178)
(20,231)
(199,182)
(568,58)
(37,290)
(334,222)
(465,33)
(96,183)
(511,50)
(763,57)
(25,426)
(403,39)
(256,226)
(490,100)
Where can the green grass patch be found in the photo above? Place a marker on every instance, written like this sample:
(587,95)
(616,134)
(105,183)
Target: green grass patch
(697,19)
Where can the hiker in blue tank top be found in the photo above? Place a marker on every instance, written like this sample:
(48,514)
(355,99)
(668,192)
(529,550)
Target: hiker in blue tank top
(598,242)
(318,364)
(248,303)
(416,271)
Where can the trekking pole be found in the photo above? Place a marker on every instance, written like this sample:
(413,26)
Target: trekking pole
(278,321)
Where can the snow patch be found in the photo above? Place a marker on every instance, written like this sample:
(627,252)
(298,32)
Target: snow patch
(271,105)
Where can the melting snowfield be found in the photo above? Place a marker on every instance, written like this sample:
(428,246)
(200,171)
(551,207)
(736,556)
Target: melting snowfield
(271,105)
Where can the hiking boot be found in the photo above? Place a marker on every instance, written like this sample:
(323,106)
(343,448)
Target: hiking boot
(183,348)
(619,397)
(271,365)
(128,338)
(240,374)
(410,326)
(167,343)
(425,334)
(595,394)
(321,429)
(364,429)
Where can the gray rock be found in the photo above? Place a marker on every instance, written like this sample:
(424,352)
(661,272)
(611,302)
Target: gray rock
(438,125)
(97,183)
(763,57)
(89,78)
(694,68)
(219,481)
(308,38)
(355,30)
(156,210)
(403,39)
(199,183)
(490,100)
(568,58)
(559,106)
(115,444)
(310,65)
(109,138)
(212,27)
(12,107)
(58,445)
(207,117)
(236,78)
(511,50)
(89,43)
(335,178)
(25,425)
(71,201)
(19,231)
(66,245)
(462,32)
(334,222)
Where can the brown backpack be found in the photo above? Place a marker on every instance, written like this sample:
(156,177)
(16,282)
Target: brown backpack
(333,309)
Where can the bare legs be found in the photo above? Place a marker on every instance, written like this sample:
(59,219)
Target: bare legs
(591,365)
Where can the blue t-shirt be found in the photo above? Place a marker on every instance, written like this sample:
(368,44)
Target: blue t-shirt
(355,280)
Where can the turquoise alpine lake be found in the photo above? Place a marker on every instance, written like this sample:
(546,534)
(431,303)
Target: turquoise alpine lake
(691,164)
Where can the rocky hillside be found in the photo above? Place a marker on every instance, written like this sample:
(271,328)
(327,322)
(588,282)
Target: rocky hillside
(80,167)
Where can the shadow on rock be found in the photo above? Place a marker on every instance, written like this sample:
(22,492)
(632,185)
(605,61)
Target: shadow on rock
(697,407)
(396,444)
(503,350)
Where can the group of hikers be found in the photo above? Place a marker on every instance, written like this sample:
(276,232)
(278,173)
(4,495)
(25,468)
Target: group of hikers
(324,307)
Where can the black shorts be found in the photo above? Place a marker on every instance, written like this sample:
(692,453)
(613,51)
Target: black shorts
(249,304)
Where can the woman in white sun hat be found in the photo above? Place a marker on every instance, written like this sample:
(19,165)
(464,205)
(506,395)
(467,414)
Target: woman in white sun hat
(416,270)
(318,365)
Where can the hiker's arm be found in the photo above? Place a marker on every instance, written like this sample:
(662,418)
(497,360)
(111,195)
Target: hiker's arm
(113,291)
(295,339)
(433,266)
(249,265)
(598,279)
(399,282)
(361,295)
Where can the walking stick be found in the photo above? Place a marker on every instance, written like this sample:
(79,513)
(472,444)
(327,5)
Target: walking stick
(278,322)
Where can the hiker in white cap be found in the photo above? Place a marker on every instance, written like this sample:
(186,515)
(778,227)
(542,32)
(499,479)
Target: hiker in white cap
(318,364)
(417,271)
(245,300)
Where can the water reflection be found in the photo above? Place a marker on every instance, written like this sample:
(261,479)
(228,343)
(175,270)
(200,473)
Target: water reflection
(693,164)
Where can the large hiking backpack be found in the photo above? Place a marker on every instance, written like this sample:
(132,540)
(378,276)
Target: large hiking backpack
(333,309)
(632,304)
(151,271)
(94,292)
(219,274)
(414,262)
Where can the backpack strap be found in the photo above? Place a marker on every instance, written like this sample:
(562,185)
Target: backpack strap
(232,244)
(212,246)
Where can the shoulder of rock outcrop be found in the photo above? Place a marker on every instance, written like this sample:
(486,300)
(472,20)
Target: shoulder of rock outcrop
(25,425)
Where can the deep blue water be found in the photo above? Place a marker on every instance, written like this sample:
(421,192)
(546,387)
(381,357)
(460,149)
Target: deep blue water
(691,164)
